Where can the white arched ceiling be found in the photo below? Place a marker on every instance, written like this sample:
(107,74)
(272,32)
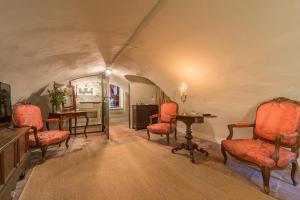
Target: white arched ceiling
(232,54)
(42,41)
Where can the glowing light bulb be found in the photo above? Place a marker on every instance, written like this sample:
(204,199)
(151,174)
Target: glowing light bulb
(108,71)
(183,89)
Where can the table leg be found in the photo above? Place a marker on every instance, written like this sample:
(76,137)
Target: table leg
(182,146)
(86,125)
(47,126)
(189,136)
(60,124)
(75,125)
(70,125)
(201,150)
(189,145)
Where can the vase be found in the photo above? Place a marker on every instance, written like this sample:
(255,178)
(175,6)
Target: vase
(57,108)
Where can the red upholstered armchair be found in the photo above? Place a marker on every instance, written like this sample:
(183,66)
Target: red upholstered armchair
(30,115)
(276,139)
(167,121)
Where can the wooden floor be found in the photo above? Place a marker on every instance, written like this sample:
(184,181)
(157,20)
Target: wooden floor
(281,187)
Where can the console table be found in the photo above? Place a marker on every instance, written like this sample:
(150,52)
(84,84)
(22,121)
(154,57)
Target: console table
(189,145)
(14,158)
(70,115)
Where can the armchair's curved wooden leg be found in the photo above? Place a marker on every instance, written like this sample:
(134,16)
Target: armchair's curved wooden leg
(224,154)
(296,150)
(293,172)
(266,172)
(148,133)
(44,151)
(168,139)
(175,134)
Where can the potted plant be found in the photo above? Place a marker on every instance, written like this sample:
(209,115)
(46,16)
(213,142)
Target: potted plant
(57,98)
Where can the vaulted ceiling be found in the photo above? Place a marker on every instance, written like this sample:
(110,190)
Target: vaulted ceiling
(232,54)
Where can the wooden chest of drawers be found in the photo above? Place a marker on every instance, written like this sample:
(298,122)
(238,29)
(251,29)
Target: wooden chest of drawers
(141,115)
(14,158)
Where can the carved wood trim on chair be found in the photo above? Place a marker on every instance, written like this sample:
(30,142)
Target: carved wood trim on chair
(39,128)
(172,122)
(277,143)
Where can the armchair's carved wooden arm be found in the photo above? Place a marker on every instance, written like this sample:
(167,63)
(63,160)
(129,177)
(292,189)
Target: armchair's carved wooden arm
(298,143)
(153,117)
(238,125)
(35,132)
(275,154)
(278,139)
(297,146)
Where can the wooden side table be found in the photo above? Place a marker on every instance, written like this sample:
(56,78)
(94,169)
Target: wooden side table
(70,115)
(189,145)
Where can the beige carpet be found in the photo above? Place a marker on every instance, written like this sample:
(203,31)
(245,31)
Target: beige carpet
(134,170)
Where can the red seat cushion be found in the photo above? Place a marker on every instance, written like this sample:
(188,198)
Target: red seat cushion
(48,137)
(258,152)
(276,118)
(161,128)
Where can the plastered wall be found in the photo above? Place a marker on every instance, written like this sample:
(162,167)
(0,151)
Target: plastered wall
(232,54)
